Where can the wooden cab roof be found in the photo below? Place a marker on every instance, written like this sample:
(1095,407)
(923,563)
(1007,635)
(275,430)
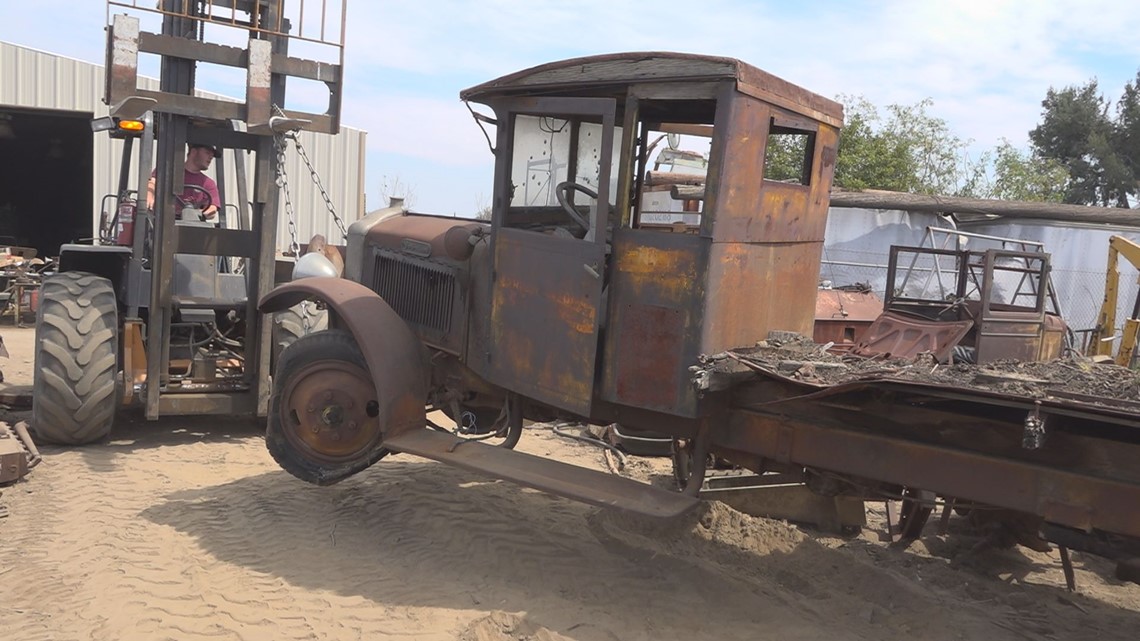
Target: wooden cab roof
(588,75)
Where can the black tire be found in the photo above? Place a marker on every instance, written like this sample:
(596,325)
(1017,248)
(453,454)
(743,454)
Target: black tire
(287,434)
(299,320)
(76,382)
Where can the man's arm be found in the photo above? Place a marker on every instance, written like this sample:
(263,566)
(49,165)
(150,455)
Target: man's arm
(215,199)
(150,193)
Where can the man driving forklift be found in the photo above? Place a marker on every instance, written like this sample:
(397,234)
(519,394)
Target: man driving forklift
(199,192)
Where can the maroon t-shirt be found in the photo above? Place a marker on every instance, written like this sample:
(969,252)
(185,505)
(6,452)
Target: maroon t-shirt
(195,198)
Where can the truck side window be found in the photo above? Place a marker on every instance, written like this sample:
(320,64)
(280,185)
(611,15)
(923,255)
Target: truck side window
(789,153)
(673,191)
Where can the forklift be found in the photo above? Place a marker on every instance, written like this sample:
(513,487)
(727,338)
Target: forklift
(159,313)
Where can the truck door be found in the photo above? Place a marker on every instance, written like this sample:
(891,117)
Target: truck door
(1012,322)
(552,209)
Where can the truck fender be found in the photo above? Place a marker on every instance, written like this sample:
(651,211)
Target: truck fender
(396,358)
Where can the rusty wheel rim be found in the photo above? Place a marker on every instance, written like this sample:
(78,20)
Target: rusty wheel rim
(330,412)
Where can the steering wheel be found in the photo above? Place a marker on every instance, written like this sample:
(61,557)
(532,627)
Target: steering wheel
(185,188)
(562,192)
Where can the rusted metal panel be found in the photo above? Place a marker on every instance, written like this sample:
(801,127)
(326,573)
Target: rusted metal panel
(852,305)
(1053,341)
(754,209)
(823,168)
(1081,437)
(896,335)
(767,236)
(651,338)
(735,206)
(1024,485)
(843,317)
(1010,335)
(544,317)
(756,288)
(428,234)
(646,332)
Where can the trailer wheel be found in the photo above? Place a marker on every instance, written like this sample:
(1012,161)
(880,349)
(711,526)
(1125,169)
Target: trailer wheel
(690,465)
(299,320)
(323,423)
(75,386)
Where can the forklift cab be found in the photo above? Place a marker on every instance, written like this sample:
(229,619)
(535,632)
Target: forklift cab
(201,283)
(592,308)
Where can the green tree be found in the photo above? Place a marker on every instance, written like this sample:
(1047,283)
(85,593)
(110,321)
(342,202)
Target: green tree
(1019,175)
(1099,152)
(1128,130)
(868,159)
(909,150)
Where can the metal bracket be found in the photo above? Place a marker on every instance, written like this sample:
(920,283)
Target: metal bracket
(132,107)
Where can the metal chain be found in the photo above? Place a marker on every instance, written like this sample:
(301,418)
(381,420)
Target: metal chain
(316,178)
(283,183)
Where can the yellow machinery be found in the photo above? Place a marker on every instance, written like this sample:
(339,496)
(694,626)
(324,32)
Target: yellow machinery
(1104,334)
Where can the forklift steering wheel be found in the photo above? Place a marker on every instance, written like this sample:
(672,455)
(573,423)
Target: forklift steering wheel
(185,188)
(562,191)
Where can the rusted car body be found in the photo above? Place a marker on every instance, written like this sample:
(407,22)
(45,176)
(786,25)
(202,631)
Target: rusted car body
(564,305)
(988,305)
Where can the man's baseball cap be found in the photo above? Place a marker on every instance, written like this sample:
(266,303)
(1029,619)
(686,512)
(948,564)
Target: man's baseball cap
(216,151)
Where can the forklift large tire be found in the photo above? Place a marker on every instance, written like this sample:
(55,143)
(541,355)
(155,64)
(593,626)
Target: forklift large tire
(75,385)
(299,320)
(323,423)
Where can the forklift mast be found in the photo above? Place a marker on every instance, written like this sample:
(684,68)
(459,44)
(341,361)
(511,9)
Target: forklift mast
(185,34)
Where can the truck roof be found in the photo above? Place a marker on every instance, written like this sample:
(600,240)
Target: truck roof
(615,71)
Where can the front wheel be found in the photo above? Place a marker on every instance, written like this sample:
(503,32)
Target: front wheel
(75,385)
(323,423)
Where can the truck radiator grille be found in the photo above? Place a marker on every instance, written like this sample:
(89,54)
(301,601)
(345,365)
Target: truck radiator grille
(419,293)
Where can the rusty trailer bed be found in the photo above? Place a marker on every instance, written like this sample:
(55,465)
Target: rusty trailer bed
(1074,460)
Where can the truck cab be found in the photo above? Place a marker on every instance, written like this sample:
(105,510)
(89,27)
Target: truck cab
(569,304)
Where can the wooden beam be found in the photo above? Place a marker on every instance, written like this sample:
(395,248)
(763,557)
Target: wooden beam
(979,206)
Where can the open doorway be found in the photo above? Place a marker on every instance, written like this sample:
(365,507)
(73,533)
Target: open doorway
(45,188)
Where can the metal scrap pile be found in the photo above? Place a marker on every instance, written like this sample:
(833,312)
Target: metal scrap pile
(799,358)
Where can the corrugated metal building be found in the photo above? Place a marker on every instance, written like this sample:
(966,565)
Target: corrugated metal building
(60,95)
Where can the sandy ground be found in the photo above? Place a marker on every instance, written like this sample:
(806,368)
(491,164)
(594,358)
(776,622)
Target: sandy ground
(186,529)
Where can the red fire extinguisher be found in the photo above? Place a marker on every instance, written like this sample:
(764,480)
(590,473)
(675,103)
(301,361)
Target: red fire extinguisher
(125,227)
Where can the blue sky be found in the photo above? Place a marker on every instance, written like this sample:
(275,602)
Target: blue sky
(986,65)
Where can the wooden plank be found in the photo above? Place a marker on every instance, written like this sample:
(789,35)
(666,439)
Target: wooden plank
(1004,208)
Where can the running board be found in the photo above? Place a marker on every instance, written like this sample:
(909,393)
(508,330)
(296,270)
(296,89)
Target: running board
(555,477)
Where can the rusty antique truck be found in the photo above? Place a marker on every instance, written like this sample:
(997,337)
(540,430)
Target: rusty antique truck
(565,306)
